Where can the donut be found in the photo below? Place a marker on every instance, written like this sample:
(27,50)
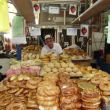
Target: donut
(105,86)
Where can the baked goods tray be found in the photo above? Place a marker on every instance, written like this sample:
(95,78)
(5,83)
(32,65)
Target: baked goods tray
(81,59)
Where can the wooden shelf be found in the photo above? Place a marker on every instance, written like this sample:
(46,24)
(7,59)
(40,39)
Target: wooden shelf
(96,8)
(24,7)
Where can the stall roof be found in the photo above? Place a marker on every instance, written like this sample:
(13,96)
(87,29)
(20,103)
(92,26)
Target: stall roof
(96,8)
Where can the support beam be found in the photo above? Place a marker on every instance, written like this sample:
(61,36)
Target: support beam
(57,1)
(25,9)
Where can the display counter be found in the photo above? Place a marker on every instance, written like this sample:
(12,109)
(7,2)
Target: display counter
(82,62)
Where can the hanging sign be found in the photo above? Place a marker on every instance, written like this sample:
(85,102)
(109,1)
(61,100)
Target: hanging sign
(71,31)
(73,9)
(84,30)
(54,10)
(35,31)
(36,8)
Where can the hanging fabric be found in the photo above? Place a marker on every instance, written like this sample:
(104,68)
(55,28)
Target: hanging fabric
(4,18)
(18,30)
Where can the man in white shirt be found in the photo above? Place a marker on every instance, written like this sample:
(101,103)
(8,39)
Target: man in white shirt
(50,46)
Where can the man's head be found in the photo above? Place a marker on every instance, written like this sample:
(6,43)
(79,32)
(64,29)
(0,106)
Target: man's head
(49,41)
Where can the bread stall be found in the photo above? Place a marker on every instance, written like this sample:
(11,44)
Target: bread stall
(57,85)
(53,82)
(78,56)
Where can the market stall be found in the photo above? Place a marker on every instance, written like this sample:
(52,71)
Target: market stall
(63,81)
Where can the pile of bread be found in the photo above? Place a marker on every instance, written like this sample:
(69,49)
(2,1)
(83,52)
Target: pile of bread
(76,54)
(70,94)
(90,96)
(31,52)
(19,92)
(73,51)
(29,66)
(48,95)
(55,90)
(50,57)
(61,67)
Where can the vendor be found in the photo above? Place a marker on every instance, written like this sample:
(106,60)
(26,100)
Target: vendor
(50,46)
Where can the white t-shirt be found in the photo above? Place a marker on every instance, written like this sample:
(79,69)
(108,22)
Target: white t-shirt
(56,49)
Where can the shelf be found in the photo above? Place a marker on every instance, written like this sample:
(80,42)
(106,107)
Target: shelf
(96,8)
(57,1)
(25,9)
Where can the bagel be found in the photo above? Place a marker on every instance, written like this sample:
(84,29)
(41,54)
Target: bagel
(105,86)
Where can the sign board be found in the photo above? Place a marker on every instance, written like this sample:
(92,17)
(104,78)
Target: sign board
(54,10)
(35,31)
(71,31)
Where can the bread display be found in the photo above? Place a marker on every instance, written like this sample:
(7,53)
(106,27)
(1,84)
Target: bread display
(55,85)
(29,66)
(76,54)
(50,57)
(18,92)
(90,96)
(69,96)
(61,67)
(48,95)
(31,52)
